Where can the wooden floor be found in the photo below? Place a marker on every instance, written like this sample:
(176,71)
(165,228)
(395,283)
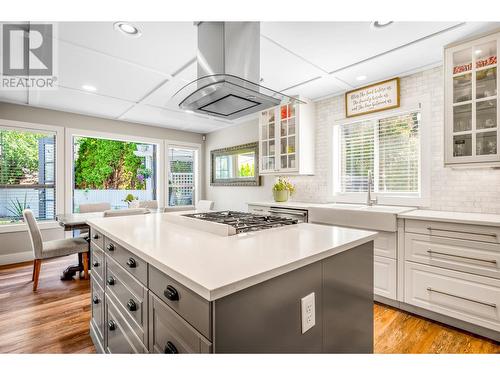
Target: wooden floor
(55,319)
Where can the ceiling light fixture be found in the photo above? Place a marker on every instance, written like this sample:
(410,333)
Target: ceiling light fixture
(188,111)
(380,24)
(360,78)
(127,29)
(478,51)
(89,88)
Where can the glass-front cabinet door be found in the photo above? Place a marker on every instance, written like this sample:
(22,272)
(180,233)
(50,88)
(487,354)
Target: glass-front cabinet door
(267,138)
(471,102)
(288,138)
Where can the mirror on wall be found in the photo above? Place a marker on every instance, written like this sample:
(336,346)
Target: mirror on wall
(235,166)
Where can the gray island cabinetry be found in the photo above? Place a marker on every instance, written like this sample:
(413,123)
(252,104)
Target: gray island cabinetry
(137,308)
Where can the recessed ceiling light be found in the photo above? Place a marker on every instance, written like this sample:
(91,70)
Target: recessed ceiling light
(361,78)
(89,88)
(188,111)
(127,29)
(478,51)
(380,24)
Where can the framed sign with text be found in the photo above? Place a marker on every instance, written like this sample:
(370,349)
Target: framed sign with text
(373,98)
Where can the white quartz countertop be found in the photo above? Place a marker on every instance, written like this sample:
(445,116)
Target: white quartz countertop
(335,206)
(453,217)
(214,266)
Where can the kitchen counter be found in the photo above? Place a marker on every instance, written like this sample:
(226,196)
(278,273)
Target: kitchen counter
(453,217)
(335,206)
(215,266)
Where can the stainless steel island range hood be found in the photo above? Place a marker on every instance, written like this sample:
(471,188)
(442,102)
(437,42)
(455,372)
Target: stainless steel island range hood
(228,73)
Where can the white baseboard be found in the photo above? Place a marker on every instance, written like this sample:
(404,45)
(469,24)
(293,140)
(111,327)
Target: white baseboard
(16,257)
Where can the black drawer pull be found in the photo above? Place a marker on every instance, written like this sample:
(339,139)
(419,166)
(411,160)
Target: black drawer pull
(95,264)
(110,247)
(131,263)
(95,236)
(170,348)
(111,325)
(171,293)
(131,305)
(95,300)
(111,280)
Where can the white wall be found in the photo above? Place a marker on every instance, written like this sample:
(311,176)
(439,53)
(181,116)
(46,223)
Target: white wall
(468,190)
(15,246)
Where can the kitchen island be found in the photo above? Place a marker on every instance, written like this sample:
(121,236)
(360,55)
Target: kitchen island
(163,287)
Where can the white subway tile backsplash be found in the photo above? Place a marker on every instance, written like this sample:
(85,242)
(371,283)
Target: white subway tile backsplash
(474,190)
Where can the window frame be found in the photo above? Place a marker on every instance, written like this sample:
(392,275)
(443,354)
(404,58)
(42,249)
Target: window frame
(422,199)
(59,170)
(69,168)
(196,147)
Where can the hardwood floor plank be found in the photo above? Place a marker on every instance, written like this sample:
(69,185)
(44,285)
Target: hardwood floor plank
(55,318)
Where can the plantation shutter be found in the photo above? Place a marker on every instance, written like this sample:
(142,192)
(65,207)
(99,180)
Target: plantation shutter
(27,174)
(357,155)
(181,177)
(399,145)
(387,146)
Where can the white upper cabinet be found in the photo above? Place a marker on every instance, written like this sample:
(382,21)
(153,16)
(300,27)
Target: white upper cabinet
(286,139)
(471,102)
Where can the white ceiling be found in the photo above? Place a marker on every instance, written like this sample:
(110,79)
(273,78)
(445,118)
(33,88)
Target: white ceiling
(136,77)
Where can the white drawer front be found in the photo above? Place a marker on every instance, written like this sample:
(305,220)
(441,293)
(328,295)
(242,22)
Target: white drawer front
(475,299)
(453,230)
(384,277)
(476,257)
(259,210)
(385,244)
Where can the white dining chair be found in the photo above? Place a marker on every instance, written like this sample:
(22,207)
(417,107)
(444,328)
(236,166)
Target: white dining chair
(204,205)
(126,212)
(94,207)
(152,204)
(53,249)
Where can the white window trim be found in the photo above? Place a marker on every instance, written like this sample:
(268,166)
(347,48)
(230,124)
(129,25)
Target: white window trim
(72,132)
(423,200)
(59,203)
(197,169)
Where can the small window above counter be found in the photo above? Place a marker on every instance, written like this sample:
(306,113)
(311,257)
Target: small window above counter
(286,139)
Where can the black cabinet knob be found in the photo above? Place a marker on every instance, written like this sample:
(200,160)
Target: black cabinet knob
(95,236)
(170,348)
(171,293)
(131,263)
(110,247)
(131,305)
(95,299)
(111,280)
(95,264)
(111,325)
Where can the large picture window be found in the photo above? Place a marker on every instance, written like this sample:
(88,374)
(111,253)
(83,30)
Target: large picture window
(388,146)
(182,167)
(27,174)
(108,170)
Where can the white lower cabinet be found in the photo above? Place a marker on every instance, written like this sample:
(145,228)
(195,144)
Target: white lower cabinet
(471,298)
(385,277)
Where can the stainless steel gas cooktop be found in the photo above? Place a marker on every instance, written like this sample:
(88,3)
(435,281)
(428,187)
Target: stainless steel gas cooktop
(243,221)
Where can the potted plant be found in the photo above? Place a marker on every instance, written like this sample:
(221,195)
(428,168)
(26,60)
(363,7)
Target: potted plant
(282,189)
(129,198)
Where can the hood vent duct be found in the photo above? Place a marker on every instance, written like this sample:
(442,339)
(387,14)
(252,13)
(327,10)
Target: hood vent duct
(228,73)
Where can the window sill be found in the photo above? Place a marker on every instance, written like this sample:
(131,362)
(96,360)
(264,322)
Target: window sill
(21,227)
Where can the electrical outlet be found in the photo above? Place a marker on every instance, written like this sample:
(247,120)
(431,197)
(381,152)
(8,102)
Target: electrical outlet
(308,312)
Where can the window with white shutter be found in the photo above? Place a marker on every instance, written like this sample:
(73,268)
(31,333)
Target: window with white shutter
(389,146)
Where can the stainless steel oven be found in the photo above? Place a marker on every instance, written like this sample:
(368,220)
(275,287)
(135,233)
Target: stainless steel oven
(293,213)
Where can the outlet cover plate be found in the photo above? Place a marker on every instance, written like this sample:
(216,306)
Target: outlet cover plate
(308,312)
